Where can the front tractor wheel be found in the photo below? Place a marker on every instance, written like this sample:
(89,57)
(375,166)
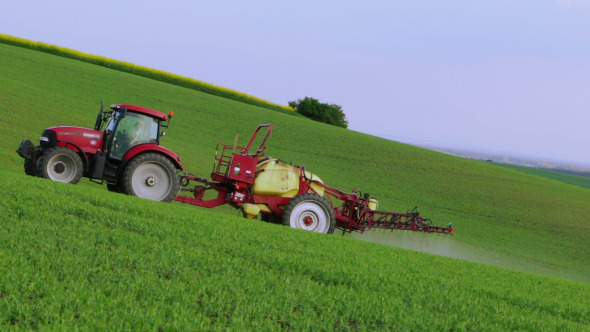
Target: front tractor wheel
(310,212)
(30,168)
(60,164)
(151,176)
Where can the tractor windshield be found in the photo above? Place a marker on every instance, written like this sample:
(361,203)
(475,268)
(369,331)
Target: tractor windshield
(131,130)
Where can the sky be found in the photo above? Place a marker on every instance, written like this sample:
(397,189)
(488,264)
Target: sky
(494,76)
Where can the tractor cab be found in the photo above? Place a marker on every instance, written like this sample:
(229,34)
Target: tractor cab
(126,126)
(127,131)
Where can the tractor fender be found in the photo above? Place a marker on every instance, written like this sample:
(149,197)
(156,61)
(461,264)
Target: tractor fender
(79,151)
(151,147)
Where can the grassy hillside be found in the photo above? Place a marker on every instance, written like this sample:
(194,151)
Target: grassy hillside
(502,216)
(146,72)
(78,257)
(576,180)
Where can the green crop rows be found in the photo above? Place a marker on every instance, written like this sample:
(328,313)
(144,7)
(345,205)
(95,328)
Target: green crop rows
(79,256)
(576,180)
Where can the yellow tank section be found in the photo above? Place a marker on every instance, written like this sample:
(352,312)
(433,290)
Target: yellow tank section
(264,207)
(318,189)
(373,204)
(275,178)
(251,210)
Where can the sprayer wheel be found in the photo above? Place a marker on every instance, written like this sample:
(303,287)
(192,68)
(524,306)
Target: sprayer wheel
(310,212)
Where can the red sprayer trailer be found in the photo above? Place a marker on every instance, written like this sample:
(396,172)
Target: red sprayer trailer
(259,185)
(124,151)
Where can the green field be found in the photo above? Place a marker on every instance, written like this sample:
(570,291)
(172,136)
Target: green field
(576,180)
(82,256)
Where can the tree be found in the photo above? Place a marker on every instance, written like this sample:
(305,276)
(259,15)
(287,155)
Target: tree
(326,113)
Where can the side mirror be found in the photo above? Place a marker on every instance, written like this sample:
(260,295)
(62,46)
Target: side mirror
(99,118)
(170,116)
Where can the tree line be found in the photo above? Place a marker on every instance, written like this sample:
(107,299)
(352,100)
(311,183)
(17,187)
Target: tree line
(327,113)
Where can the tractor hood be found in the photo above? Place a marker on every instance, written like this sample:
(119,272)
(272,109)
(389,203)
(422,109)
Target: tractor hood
(87,140)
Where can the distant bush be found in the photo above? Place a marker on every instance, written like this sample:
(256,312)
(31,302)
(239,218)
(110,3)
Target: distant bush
(322,112)
(154,74)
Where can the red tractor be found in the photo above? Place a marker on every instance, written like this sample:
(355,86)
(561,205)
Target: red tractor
(122,150)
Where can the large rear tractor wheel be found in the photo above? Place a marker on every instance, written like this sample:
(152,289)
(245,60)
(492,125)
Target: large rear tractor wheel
(151,176)
(115,188)
(310,212)
(60,164)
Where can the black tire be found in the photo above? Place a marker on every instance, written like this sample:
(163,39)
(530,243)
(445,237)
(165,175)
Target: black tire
(116,188)
(271,218)
(60,164)
(152,176)
(310,212)
(30,167)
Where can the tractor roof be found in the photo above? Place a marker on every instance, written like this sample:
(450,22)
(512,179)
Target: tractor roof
(140,109)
